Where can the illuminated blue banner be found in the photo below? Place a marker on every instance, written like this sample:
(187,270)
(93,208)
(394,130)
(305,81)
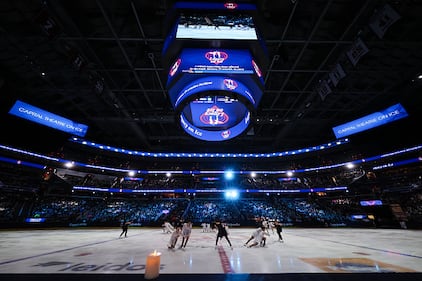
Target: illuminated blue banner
(373,120)
(37,115)
(34,220)
(370,203)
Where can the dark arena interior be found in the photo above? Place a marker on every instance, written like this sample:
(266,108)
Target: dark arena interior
(229,116)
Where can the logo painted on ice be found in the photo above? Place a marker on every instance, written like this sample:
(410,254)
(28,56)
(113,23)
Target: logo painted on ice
(78,267)
(216,57)
(214,116)
(230,84)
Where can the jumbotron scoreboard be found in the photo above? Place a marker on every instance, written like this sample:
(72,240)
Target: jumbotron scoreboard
(214,56)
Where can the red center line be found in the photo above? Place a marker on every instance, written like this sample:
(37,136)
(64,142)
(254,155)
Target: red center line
(225,263)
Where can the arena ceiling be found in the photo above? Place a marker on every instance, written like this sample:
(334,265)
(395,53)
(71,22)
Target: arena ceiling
(100,64)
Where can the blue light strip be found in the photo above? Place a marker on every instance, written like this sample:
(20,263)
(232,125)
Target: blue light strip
(189,190)
(19,162)
(209,155)
(20,151)
(197,172)
(398,163)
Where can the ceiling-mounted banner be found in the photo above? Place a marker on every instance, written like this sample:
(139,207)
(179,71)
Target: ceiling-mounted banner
(370,121)
(357,51)
(40,116)
(383,19)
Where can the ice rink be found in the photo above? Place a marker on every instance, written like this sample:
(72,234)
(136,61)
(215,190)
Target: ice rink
(100,251)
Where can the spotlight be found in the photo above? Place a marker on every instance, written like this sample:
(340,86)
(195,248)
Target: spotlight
(231,194)
(229,175)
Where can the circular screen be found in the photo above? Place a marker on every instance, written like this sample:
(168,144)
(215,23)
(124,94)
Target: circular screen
(214,108)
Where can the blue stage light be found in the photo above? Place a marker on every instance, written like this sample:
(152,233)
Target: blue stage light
(231,194)
(228,175)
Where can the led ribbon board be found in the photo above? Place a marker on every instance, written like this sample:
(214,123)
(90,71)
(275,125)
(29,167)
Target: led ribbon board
(373,120)
(214,91)
(37,115)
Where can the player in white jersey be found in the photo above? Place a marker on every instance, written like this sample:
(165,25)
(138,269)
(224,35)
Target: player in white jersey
(258,236)
(167,227)
(186,231)
(174,236)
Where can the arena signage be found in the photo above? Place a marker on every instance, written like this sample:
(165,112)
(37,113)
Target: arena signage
(40,116)
(373,120)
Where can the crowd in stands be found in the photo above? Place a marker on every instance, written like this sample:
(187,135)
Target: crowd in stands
(103,211)
(31,192)
(207,210)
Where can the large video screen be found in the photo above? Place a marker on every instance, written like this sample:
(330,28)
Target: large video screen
(191,62)
(219,112)
(212,26)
